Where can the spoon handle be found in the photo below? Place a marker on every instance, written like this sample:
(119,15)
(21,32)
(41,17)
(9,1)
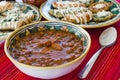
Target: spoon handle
(89,65)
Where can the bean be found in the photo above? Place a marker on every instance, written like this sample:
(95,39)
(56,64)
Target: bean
(21,59)
(48,43)
(56,46)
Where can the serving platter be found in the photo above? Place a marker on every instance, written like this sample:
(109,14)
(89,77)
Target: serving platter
(27,8)
(114,9)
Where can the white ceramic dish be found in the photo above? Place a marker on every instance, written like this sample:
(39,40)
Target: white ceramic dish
(53,71)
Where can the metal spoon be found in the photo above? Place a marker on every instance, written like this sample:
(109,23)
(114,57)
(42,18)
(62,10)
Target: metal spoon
(107,38)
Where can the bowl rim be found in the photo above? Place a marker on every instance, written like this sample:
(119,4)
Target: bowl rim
(100,25)
(50,67)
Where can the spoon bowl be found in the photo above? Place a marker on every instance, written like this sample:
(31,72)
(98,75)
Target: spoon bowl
(108,37)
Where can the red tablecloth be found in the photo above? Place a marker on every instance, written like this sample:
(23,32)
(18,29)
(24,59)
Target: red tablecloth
(107,66)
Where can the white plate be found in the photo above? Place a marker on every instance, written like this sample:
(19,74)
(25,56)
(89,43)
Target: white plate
(46,7)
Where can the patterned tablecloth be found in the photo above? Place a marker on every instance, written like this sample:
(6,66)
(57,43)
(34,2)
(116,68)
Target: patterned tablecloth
(107,66)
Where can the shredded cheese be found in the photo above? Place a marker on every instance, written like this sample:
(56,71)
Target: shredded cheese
(103,13)
(98,6)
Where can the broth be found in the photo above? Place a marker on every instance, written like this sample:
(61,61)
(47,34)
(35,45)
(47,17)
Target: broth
(48,48)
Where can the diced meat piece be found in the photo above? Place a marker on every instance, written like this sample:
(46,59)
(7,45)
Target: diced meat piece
(56,46)
(59,61)
(28,62)
(33,41)
(41,33)
(80,49)
(71,58)
(28,52)
(68,51)
(50,33)
(39,45)
(45,50)
(57,34)
(48,43)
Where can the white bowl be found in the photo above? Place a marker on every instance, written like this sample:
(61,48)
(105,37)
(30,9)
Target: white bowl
(54,71)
